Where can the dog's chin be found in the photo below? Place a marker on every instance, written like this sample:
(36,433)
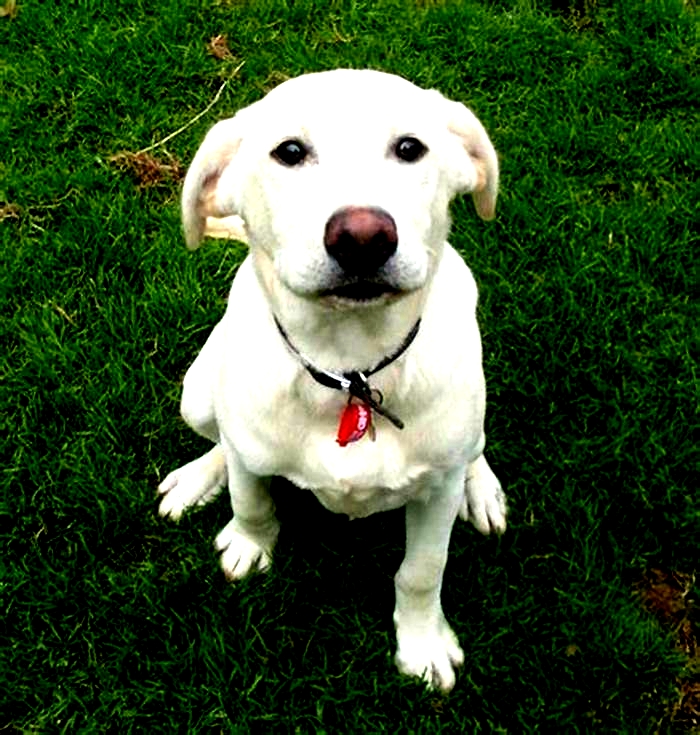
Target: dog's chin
(360,294)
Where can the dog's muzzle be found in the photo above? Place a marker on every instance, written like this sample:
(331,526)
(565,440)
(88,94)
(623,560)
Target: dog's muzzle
(361,240)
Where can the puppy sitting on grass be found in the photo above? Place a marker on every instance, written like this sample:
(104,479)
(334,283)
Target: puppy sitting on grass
(349,357)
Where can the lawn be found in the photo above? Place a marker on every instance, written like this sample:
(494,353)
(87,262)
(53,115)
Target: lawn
(580,618)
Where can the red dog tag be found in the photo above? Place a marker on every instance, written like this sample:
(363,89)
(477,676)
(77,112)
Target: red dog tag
(355,421)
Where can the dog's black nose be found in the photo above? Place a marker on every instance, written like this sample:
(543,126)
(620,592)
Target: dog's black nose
(361,239)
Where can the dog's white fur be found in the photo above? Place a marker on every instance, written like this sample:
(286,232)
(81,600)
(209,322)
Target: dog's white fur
(247,391)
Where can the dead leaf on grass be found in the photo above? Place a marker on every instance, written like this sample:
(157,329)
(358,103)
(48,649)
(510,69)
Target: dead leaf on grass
(147,170)
(666,596)
(218,47)
(686,712)
(9,210)
(8,9)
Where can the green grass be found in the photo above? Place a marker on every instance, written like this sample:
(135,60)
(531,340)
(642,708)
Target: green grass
(116,621)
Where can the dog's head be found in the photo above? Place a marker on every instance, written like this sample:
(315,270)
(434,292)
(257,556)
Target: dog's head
(343,180)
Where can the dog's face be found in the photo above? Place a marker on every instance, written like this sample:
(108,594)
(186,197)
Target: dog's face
(344,180)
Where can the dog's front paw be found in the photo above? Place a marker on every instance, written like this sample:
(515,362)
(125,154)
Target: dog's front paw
(484,502)
(241,555)
(195,483)
(431,655)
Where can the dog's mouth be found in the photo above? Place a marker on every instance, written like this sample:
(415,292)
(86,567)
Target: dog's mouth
(361,292)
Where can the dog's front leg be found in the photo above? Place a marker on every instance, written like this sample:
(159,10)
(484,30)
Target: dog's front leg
(426,645)
(247,541)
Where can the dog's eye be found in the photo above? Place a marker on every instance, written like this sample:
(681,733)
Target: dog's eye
(290,152)
(409,149)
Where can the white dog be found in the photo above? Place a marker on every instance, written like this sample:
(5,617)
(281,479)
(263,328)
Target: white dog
(349,358)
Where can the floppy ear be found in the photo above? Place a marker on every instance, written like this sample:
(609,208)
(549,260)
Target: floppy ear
(464,124)
(227,228)
(199,193)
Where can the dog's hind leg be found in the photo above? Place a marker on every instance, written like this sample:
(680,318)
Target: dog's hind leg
(195,483)
(200,481)
(484,502)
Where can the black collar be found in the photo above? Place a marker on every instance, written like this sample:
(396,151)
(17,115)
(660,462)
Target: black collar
(355,382)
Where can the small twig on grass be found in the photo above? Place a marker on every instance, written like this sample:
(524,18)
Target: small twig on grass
(195,118)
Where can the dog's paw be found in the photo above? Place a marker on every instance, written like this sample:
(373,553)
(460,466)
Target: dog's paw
(431,655)
(195,483)
(484,502)
(241,555)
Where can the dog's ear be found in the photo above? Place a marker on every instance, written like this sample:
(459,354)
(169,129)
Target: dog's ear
(463,123)
(202,204)
(227,228)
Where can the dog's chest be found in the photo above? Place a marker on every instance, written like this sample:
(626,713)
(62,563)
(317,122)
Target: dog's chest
(361,502)
(362,478)
(359,479)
